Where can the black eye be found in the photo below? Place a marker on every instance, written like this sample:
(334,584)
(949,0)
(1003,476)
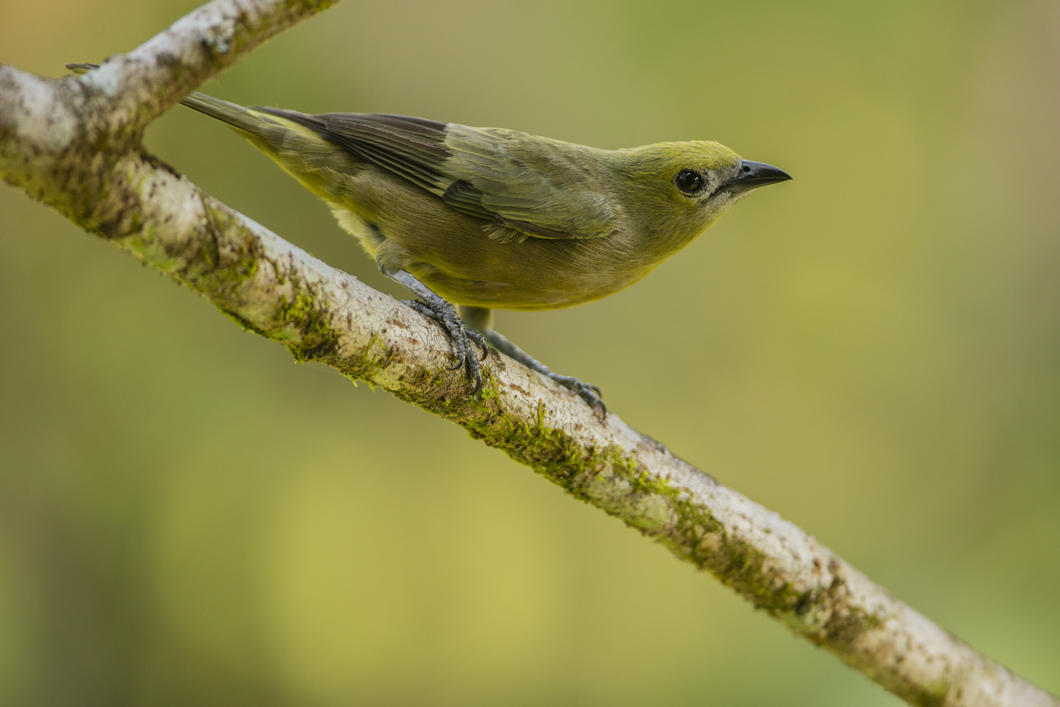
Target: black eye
(690,182)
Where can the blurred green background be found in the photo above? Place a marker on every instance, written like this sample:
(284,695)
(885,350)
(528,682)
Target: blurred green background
(872,350)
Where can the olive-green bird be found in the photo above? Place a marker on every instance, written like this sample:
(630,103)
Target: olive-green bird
(489,218)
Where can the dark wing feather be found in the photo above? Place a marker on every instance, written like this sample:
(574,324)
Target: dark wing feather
(534,187)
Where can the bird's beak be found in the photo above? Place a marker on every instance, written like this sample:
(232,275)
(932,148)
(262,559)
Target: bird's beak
(753,175)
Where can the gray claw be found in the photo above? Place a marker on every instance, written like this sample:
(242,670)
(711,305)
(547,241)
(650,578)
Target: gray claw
(461,337)
(586,391)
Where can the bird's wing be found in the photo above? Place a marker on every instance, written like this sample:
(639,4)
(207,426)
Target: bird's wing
(518,185)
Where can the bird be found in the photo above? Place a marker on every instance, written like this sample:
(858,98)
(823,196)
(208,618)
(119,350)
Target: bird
(475,219)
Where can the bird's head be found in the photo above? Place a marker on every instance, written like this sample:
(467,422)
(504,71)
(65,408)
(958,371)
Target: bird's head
(672,191)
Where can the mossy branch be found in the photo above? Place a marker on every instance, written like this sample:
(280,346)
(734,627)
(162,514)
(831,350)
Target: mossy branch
(73,143)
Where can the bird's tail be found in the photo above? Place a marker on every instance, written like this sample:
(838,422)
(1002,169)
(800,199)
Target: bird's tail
(244,119)
(240,118)
(300,151)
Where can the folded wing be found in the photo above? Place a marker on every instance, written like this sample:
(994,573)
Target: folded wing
(517,184)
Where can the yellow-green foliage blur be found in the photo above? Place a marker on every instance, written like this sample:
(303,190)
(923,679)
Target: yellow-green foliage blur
(873,350)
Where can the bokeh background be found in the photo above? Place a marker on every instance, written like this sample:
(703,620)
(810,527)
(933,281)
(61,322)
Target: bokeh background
(873,350)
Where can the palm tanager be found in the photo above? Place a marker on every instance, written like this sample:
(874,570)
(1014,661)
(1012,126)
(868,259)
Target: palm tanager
(490,218)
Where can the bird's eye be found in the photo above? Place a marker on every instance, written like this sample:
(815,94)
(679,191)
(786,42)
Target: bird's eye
(690,182)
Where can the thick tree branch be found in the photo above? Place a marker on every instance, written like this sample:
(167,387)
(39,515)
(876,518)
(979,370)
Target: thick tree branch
(73,144)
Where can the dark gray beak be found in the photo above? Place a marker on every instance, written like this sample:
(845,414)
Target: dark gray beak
(753,175)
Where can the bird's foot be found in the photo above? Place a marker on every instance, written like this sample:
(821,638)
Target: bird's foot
(462,337)
(586,391)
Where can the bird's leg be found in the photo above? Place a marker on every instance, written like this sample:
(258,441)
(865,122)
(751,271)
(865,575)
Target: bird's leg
(437,308)
(479,318)
(586,391)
